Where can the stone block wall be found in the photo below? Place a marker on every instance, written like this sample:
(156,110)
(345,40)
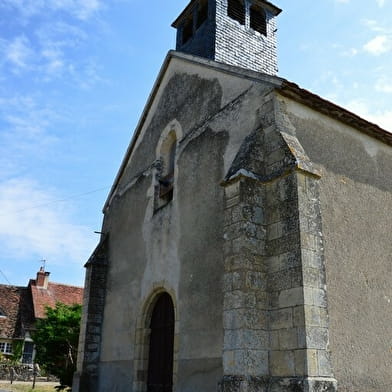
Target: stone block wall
(86,376)
(245,318)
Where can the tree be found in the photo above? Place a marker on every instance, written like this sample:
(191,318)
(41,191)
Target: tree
(56,340)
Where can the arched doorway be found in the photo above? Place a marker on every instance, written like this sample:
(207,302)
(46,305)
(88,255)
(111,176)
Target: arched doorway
(160,359)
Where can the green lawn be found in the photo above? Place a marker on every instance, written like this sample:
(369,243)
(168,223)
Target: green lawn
(26,387)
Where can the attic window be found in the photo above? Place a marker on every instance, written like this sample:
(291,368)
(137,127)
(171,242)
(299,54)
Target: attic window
(202,13)
(236,10)
(2,314)
(187,30)
(5,348)
(258,20)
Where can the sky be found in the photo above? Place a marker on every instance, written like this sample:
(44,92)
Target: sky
(75,76)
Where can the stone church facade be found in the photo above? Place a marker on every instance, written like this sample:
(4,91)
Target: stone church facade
(246,242)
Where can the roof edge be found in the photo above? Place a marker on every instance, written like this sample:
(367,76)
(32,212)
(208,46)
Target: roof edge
(293,91)
(189,8)
(66,285)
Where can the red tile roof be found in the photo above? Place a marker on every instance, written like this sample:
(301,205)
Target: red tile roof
(21,306)
(55,292)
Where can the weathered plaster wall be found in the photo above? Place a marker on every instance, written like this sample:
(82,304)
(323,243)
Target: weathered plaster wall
(356,202)
(178,247)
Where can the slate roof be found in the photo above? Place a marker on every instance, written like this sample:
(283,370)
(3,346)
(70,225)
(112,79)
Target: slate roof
(55,292)
(17,312)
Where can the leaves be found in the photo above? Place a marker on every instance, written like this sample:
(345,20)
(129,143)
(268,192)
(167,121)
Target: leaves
(56,339)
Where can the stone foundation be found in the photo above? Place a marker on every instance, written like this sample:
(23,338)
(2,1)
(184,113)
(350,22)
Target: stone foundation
(277,384)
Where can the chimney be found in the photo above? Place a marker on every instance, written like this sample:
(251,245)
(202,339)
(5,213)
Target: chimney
(234,32)
(42,278)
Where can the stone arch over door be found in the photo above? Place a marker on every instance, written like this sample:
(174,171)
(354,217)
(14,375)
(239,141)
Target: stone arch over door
(158,312)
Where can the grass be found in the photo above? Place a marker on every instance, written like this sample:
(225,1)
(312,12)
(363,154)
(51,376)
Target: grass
(26,387)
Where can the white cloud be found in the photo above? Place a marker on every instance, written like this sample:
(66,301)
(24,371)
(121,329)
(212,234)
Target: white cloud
(60,34)
(26,132)
(26,118)
(384,85)
(81,9)
(56,41)
(54,61)
(379,45)
(19,52)
(27,8)
(350,52)
(380,3)
(87,8)
(30,225)
(383,118)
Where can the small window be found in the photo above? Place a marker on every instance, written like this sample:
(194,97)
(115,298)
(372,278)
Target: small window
(5,348)
(258,20)
(2,314)
(166,177)
(202,13)
(236,10)
(187,30)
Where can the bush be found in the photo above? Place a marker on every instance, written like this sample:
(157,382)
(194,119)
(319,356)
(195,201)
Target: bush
(56,340)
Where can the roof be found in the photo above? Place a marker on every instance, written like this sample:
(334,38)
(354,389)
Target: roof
(21,306)
(280,85)
(293,91)
(189,8)
(55,292)
(15,305)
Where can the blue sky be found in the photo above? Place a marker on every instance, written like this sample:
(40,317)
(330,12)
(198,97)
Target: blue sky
(75,75)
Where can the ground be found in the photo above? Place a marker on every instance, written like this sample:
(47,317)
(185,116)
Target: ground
(5,386)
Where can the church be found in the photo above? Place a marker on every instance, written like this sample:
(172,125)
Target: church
(246,241)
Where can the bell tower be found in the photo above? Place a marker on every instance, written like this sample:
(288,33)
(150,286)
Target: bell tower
(234,32)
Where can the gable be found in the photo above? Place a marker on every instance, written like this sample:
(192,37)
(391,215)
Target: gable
(190,91)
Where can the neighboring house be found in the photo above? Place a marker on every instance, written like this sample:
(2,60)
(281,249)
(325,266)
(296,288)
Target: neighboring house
(20,307)
(242,203)
(16,319)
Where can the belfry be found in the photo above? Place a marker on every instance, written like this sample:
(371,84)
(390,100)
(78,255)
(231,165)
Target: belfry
(234,32)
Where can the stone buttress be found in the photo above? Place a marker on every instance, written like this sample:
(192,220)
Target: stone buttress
(275,301)
(86,376)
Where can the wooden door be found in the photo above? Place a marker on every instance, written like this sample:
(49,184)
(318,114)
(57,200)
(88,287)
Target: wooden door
(160,362)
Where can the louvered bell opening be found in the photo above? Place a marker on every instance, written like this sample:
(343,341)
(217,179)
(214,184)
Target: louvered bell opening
(236,11)
(258,20)
(202,14)
(187,31)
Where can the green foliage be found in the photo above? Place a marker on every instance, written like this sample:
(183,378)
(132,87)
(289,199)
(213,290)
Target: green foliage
(17,351)
(56,339)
